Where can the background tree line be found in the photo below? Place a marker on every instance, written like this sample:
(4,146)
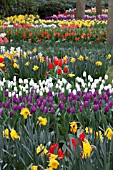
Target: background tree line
(42,7)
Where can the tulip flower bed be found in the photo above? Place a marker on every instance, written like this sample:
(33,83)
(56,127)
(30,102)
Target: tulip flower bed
(55,124)
(56,95)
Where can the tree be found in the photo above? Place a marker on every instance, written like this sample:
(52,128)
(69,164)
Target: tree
(110,23)
(98,7)
(80,9)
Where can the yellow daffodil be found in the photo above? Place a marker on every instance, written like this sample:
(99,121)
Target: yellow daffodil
(108,56)
(27,63)
(14,135)
(71,75)
(34,167)
(2,65)
(87,149)
(34,50)
(15,65)
(25,112)
(41,59)
(109,133)
(76,53)
(72,60)
(53,163)
(6,133)
(88,130)
(42,121)
(53,156)
(99,63)
(86,58)
(65,57)
(49,168)
(41,149)
(99,135)
(80,58)
(73,127)
(35,68)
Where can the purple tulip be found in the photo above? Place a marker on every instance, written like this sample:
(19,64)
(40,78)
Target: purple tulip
(86,104)
(70,99)
(52,111)
(81,109)
(3,104)
(100,96)
(61,106)
(95,108)
(64,99)
(106,108)
(6,93)
(39,103)
(32,90)
(68,109)
(72,110)
(12,113)
(1,112)
(74,102)
(14,107)
(7,105)
(42,108)
(95,101)
(29,104)
(50,93)
(33,109)
(45,110)
(35,96)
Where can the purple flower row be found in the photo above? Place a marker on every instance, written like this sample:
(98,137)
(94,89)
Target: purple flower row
(49,103)
(68,17)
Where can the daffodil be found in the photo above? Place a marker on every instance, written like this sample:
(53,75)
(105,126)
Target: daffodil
(109,133)
(34,167)
(73,127)
(108,56)
(27,63)
(35,68)
(15,65)
(14,135)
(53,156)
(53,163)
(41,149)
(6,133)
(71,75)
(87,149)
(25,112)
(99,135)
(42,121)
(72,60)
(80,58)
(99,63)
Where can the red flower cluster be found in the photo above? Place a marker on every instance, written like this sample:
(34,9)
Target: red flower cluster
(59,63)
(52,149)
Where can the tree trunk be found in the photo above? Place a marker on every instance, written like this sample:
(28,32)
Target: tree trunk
(80,9)
(98,7)
(110,23)
(27,7)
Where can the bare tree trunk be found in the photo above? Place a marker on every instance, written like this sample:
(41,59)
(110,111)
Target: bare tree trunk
(110,23)
(27,7)
(80,9)
(98,7)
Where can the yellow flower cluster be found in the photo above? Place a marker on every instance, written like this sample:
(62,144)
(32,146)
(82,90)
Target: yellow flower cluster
(42,121)
(73,127)
(53,163)
(21,19)
(13,134)
(87,149)
(99,63)
(109,133)
(25,112)
(41,150)
(34,167)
